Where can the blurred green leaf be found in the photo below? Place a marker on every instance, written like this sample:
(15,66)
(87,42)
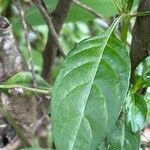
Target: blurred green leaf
(36,57)
(3,5)
(105,7)
(24,79)
(33,15)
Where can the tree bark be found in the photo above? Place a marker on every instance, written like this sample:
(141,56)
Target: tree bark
(58,18)
(11,62)
(140,47)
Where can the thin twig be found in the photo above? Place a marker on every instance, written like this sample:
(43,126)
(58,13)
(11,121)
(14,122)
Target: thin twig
(34,90)
(24,24)
(43,121)
(140,14)
(89,9)
(146,137)
(51,28)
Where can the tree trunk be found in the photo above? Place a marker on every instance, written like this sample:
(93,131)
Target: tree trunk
(11,62)
(58,18)
(140,47)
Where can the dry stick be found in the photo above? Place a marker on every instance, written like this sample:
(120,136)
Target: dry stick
(44,120)
(89,9)
(147,144)
(51,28)
(146,137)
(24,24)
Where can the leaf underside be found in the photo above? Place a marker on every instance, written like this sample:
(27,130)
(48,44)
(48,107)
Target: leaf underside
(89,92)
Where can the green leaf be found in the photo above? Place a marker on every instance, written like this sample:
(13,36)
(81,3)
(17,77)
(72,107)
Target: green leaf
(136,111)
(104,7)
(3,5)
(89,92)
(122,138)
(24,80)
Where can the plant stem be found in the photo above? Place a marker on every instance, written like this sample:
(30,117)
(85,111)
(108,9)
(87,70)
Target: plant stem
(139,14)
(25,28)
(124,28)
(129,5)
(35,90)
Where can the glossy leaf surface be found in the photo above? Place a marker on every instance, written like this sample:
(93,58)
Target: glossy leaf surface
(89,92)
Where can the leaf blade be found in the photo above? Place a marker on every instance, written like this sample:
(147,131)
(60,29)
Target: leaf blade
(89,61)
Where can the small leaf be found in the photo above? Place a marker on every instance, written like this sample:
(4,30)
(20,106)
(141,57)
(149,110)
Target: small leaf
(89,92)
(136,112)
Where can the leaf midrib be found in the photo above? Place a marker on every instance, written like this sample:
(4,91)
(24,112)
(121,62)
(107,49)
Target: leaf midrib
(108,37)
(92,82)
